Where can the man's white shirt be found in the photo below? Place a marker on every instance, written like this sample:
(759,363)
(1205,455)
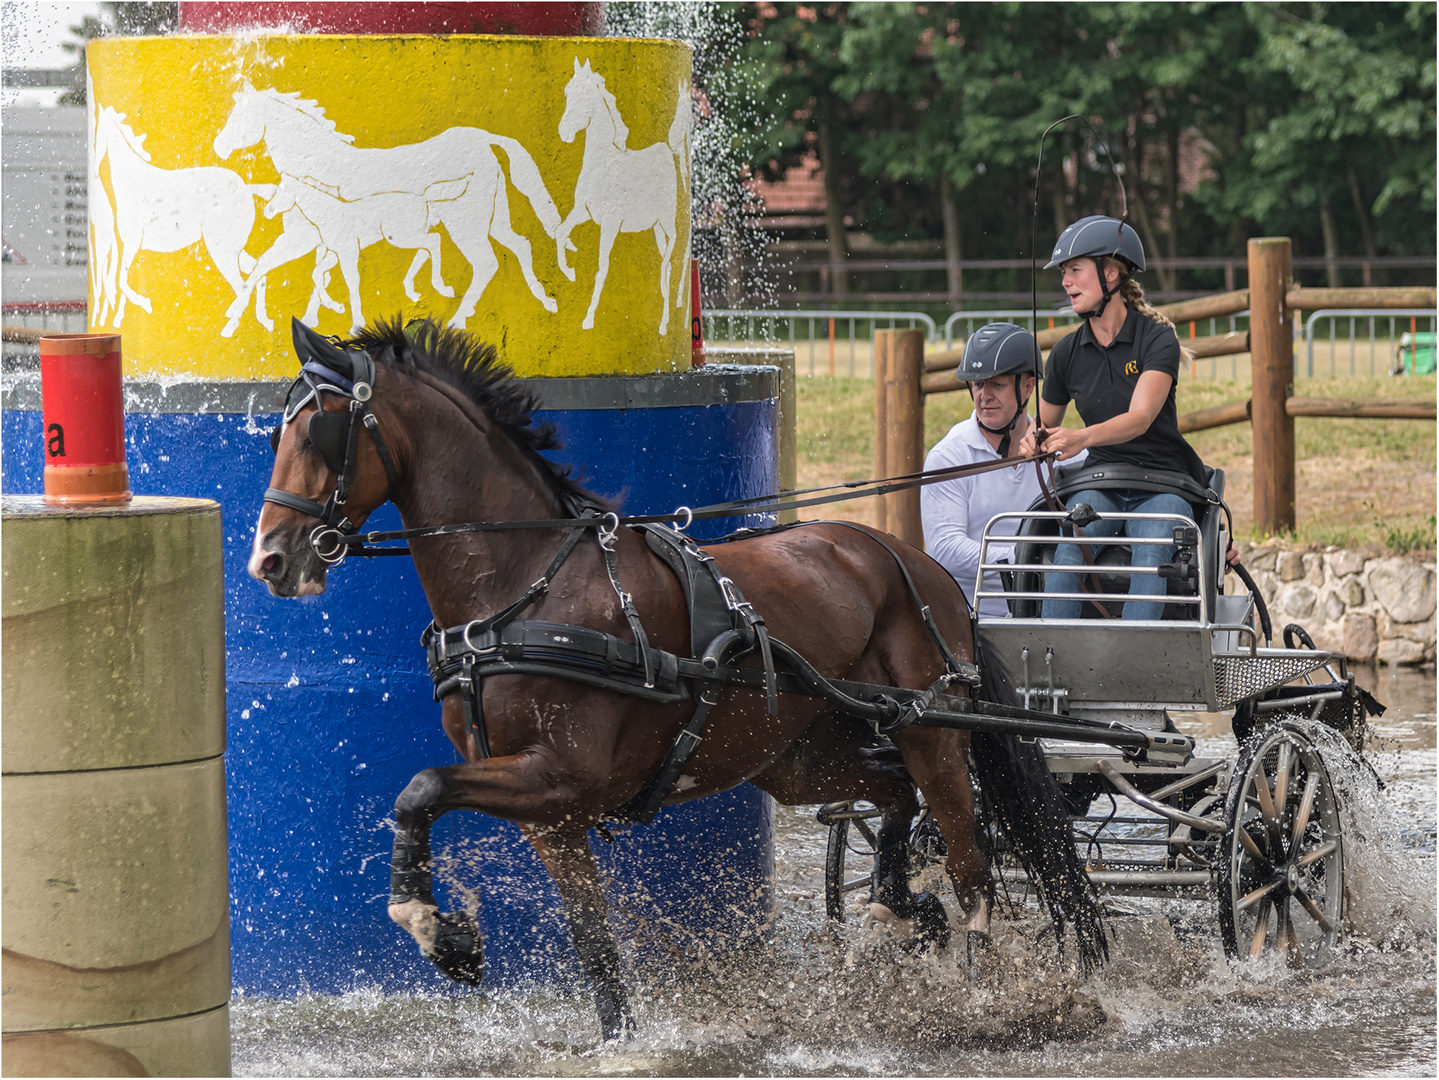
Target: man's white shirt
(955,511)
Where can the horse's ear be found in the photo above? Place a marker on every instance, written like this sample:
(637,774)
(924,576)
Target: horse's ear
(311,346)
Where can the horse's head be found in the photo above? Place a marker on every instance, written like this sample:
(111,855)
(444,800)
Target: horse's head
(245,125)
(332,468)
(581,97)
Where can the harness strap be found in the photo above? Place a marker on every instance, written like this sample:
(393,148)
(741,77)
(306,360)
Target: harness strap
(956,668)
(606,538)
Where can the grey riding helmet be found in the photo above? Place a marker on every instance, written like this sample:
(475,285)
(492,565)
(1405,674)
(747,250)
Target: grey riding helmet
(1098,237)
(995,349)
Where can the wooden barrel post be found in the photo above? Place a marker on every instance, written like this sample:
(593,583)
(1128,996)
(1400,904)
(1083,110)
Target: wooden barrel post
(904,431)
(1271,340)
(116,920)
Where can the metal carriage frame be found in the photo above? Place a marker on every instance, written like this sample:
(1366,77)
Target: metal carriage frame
(1258,834)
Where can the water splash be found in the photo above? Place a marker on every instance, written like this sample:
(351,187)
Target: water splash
(737,269)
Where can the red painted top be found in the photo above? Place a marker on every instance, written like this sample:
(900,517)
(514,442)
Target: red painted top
(541,19)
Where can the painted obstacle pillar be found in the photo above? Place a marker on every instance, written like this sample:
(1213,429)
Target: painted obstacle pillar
(115,915)
(532,190)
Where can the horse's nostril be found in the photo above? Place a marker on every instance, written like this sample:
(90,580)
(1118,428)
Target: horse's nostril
(272,564)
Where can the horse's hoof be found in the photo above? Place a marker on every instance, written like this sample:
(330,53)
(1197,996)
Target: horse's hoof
(932,929)
(459,949)
(976,944)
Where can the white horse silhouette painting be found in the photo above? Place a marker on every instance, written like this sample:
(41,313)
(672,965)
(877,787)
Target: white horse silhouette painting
(167,210)
(619,189)
(454,179)
(337,231)
(104,256)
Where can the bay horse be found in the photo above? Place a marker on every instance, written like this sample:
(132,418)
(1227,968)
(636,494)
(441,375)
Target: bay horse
(429,418)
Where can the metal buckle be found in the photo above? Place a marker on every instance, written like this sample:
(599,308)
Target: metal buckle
(608,531)
(689,518)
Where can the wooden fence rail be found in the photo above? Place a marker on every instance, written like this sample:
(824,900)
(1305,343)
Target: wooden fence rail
(903,373)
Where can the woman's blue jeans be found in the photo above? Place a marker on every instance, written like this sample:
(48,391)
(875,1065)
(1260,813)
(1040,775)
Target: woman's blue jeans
(1150,555)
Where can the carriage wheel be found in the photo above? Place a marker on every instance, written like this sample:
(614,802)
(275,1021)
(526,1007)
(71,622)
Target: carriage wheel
(853,845)
(1281,880)
(849,859)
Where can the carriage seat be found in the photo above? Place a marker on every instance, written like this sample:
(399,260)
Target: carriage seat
(1030,547)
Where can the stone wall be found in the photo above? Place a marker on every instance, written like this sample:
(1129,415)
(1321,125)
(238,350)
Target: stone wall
(1370,608)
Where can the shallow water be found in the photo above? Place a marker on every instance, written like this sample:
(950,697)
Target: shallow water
(803,1000)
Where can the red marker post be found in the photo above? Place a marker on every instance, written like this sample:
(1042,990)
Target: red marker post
(697,330)
(84,418)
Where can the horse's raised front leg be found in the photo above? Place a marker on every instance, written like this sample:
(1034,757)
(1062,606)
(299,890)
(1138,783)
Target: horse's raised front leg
(565,851)
(529,787)
(452,940)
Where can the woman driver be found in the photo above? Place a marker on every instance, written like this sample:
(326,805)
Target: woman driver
(1120,369)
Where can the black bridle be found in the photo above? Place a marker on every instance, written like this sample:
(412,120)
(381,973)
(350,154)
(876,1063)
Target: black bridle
(335,436)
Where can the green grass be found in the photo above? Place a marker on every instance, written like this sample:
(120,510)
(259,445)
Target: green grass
(1363,484)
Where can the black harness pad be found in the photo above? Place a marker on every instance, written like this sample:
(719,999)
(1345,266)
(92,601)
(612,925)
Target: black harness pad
(710,612)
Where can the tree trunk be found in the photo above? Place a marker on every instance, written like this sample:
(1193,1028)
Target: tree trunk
(1331,242)
(1366,226)
(1151,244)
(953,241)
(1171,183)
(833,213)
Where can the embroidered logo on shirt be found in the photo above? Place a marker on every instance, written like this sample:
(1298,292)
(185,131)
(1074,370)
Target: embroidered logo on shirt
(1132,368)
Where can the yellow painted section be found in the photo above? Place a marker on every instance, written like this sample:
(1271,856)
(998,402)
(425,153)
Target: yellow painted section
(326,166)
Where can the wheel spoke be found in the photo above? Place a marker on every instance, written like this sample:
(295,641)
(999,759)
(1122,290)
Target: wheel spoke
(1281,778)
(1256,896)
(1314,912)
(1266,805)
(1329,847)
(1250,846)
(1306,806)
(1261,931)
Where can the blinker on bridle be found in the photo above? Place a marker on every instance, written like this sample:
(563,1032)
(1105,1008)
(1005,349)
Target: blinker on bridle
(333,435)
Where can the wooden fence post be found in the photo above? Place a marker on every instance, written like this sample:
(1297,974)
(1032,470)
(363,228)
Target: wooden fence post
(882,350)
(1271,342)
(902,428)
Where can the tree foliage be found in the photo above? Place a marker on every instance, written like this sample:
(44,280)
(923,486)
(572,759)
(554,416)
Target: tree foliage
(1311,120)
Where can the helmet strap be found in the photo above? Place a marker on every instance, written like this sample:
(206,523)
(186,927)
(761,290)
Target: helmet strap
(1004,432)
(1105,291)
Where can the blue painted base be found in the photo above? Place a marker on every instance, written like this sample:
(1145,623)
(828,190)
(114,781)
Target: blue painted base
(330,714)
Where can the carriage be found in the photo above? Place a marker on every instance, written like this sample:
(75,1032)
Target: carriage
(1259,833)
(820,661)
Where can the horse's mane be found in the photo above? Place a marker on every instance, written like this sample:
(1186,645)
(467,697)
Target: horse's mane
(305,107)
(475,369)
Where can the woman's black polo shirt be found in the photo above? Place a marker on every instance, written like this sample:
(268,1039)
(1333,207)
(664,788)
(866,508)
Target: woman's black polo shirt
(1101,384)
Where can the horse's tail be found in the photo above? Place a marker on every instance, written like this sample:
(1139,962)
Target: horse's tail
(679,133)
(1032,811)
(525,175)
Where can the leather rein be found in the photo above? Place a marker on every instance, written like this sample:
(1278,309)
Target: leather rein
(337,440)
